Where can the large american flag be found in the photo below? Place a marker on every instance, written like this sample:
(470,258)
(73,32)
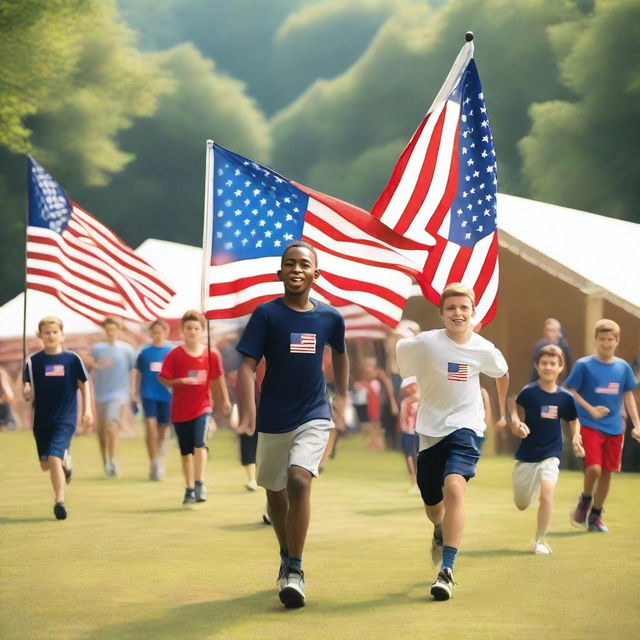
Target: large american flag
(253,213)
(74,257)
(443,189)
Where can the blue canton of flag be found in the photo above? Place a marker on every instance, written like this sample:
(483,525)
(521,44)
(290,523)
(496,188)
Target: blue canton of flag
(256,212)
(473,212)
(49,207)
(457,371)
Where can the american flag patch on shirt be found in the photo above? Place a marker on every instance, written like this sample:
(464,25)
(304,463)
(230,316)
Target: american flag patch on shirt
(55,370)
(457,371)
(156,367)
(549,411)
(302,343)
(612,389)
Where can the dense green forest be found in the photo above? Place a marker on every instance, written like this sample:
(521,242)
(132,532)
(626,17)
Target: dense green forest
(116,99)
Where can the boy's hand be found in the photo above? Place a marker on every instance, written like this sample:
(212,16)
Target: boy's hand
(578,449)
(599,412)
(87,420)
(635,433)
(339,404)
(520,429)
(26,391)
(501,423)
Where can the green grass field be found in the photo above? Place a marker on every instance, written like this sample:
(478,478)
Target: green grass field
(130,562)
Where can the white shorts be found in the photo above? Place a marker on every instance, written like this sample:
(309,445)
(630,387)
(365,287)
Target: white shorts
(110,411)
(528,476)
(302,447)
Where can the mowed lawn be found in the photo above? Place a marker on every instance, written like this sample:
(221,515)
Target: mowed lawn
(130,562)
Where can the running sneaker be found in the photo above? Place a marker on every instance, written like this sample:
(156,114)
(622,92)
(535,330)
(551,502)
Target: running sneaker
(153,470)
(283,575)
(60,511)
(436,546)
(108,468)
(541,548)
(292,594)
(596,523)
(251,485)
(189,496)
(201,492)
(442,588)
(67,468)
(579,514)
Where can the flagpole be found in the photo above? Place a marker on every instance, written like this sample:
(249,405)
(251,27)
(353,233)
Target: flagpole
(24,299)
(207,228)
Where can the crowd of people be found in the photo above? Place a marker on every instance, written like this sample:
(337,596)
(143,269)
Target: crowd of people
(287,400)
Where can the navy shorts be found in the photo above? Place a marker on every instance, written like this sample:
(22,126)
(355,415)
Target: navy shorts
(192,433)
(458,453)
(410,444)
(157,409)
(53,439)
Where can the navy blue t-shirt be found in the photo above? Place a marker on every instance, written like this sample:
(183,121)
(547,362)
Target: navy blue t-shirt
(54,383)
(542,414)
(292,343)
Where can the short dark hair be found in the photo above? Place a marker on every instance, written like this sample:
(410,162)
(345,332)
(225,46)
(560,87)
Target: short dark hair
(194,315)
(303,245)
(111,320)
(159,322)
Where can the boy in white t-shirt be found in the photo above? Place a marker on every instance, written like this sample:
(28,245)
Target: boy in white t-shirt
(447,363)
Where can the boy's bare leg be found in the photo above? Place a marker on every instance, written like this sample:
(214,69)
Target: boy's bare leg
(299,513)
(435,512)
(199,463)
(411,468)
(545,510)
(602,490)
(57,478)
(277,508)
(151,437)
(251,472)
(112,428)
(591,477)
(453,520)
(187,470)
(101,431)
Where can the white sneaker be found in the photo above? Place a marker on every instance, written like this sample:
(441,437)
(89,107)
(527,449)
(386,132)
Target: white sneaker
(283,572)
(541,548)
(292,595)
(153,470)
(442,588)
(252,485)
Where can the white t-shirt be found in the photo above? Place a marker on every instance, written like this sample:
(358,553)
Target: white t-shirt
(449,378)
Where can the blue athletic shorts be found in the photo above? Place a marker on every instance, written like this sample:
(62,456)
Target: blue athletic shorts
(191,434)
(157,409)
(409,443)
(458,453)
(53,439)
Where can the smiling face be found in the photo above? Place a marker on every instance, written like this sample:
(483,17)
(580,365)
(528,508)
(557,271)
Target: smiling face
(606,343)
(549,368)
(298,270)
(457,313)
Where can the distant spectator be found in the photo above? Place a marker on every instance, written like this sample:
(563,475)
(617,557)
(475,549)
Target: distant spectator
(551,334)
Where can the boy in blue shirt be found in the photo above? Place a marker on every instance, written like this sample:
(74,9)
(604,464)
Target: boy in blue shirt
(294,414)
(543,404)
(154,396)
(52,378)
(601,383)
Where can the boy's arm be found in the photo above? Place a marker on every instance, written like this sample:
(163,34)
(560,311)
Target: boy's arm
(137,381)
(6,391)
(247,395)
(518,427)
(502,387)
(221,403)
(576,438)
(632,412)
(340,362)
(595,412)
(87,412)
(386,381)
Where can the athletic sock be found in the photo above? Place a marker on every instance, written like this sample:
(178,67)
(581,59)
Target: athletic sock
(448,557)
(295,562)
(595,513)
(585,498)
(199,483)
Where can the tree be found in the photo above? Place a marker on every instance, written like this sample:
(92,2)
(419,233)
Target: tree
(583,153)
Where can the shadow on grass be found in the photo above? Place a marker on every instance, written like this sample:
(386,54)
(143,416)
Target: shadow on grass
(156,510)
(25,520)
(566,534)
(385,512)
(246,526)
(490,553)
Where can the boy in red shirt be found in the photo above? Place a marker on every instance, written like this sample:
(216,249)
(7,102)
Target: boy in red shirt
(194,374)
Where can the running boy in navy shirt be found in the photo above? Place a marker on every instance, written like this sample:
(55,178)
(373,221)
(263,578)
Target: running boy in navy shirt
(294,415)
(52,378)
(600,384)
(543,404)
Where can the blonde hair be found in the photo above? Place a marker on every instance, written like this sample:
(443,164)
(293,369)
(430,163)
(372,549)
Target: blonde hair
(550,350)
(606,326)
(50,320)
(192,314)
(457,289)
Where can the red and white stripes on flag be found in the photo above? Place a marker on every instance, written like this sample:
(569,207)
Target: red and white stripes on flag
(77,259)
(442,191)
(360,325)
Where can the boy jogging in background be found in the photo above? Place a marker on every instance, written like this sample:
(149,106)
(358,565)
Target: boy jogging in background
(52,378)
(155,397)
(194,373)
(294,415)
(542,404)
(601,383)
(448,363)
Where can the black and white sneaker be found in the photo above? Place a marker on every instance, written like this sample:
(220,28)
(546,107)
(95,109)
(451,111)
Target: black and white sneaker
(442,588)
(201,492)
(189,496)
(60,511)
(283,575)
(292,595)
(436,546)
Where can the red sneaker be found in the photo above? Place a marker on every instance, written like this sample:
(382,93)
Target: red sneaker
(579,514)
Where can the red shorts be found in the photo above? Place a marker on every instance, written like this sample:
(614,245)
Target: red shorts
(601,449)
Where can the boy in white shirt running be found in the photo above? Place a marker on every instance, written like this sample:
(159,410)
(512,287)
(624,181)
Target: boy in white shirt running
(447,363)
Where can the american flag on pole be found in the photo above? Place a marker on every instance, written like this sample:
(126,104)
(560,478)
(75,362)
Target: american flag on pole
(443,190)
(74,257)
(457,371)
(252,213)
(549,411)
